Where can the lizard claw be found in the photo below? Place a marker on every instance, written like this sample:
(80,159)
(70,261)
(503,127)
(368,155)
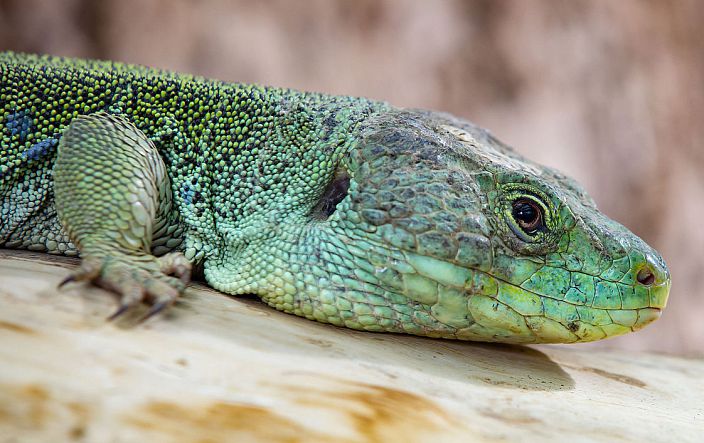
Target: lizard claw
(121,310)
(68,279)
(137,279)
(154,310)
(161,295)
(88,270)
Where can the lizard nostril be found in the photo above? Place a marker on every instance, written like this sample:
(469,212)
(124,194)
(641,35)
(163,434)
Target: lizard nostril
(645,276)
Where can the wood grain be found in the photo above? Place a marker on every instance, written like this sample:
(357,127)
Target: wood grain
(220,369)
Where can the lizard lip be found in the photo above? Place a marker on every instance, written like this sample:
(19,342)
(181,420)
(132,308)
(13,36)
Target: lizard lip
(646,316)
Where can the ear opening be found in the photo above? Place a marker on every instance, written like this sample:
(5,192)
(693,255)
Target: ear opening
(334,193)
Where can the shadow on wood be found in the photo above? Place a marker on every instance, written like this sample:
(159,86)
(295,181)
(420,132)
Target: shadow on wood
(217,368)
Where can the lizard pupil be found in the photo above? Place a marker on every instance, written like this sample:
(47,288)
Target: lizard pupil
(528,214)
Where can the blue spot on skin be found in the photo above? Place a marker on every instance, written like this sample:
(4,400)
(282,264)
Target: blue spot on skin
(19,123)
(187,193)
(40,149)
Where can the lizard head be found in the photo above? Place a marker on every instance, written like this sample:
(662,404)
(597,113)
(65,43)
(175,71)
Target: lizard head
(431,226)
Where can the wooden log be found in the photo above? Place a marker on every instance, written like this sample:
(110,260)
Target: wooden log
(218,369)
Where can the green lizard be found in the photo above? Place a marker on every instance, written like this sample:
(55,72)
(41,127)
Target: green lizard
(338,209)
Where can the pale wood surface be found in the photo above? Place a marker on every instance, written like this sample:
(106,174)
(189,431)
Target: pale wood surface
(224,369)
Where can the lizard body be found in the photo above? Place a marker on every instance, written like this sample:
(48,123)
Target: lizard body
(339,209)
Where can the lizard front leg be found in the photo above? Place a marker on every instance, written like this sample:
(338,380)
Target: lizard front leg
(108,181)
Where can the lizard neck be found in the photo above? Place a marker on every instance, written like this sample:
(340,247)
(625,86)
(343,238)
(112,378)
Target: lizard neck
(241,156)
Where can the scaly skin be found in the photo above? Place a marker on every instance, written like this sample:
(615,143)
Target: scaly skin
(338,209)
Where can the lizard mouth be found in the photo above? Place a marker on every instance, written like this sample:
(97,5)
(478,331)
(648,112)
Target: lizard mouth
(645,317)
(498,310)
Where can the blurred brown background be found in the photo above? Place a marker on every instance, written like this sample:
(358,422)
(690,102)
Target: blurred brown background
(610,92)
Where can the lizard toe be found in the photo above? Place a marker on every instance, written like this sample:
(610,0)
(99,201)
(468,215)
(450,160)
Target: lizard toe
(137,279)
(175,263)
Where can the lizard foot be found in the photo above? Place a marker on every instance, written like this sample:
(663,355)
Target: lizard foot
(136,279)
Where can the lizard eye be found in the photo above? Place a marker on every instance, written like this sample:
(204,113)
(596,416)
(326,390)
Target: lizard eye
(528,214)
